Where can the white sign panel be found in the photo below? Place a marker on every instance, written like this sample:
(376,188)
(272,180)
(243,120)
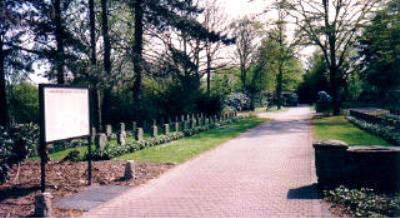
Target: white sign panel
(66,113)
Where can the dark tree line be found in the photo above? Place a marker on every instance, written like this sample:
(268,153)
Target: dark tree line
(80,42)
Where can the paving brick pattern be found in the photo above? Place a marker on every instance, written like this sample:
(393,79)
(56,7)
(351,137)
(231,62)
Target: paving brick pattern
(268,171)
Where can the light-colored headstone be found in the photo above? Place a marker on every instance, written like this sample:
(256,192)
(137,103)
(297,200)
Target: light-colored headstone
(182,118)
(134,127)
(186,125)
(101,142)
(122,127)
(154,131)
(109,130)
(176,126)
(129,170)
(193,123)
(166,129)
(43,206)
(139,134)
(93,134)
(121,139)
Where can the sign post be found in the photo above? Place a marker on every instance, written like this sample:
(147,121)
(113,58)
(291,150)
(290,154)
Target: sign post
(64,115)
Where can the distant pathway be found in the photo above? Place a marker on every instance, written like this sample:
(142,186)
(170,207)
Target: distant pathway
(267,171)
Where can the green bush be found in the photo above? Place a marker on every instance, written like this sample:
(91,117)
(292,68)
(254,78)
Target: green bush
(72,156)
(16,144)
(364,202)
(388,132)
(115,151)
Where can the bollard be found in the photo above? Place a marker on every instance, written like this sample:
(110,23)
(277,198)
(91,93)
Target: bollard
(129,170)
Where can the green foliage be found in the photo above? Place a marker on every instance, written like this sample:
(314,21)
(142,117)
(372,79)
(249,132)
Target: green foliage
(133,146)
(388,132)
(380,49)
(337,127)
(73,155)
(364,202)
(186,148)
(23,102)
(16,144)
(314,80)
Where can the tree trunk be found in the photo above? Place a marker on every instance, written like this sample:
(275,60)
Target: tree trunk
(334,91)
(279,80)
(107,60)
(138,50)
(59,35)
(4,120)
(243,76)
(208,74)
(96,100)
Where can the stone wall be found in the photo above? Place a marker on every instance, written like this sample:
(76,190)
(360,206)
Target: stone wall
(363,166)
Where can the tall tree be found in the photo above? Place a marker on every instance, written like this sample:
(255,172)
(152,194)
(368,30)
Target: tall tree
(13,58)
(213,20)
(55,42)
(333,26)
(106,58)
(162,15)
(246,32)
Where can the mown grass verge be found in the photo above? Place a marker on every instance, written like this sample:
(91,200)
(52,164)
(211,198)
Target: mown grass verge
(184,149)
(337,127)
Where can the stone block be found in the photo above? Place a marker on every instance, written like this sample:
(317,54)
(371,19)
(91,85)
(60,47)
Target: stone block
(43,205)
(93,134)
(122,127)
(139,134)
(101,142)
(109,130)
(166,129)
(177,127)
(121,139)
(154,131)
(129,170)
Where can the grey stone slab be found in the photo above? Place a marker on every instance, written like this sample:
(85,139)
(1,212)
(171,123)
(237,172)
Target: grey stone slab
(91,198)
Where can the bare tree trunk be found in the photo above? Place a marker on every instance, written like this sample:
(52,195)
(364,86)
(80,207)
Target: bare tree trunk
(243,76)
(96,100)
(59,35)
(4,119)
(208,74)
(138,50)
(107,59)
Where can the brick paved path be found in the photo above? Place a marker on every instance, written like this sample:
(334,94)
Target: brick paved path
(267,171)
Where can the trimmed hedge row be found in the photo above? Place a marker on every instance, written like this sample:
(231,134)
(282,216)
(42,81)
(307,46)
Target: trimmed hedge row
(133,146)
(388,132)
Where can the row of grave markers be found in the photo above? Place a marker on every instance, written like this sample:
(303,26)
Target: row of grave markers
(184,123)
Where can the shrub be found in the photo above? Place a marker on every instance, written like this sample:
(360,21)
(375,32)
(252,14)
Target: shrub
(364,202)
(388,132)
(16,144)
(324,102)
(72,156)
(239,101)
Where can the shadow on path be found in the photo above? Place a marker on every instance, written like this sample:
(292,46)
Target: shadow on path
(308,192)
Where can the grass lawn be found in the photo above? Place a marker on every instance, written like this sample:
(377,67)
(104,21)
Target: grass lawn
(184,149)
(339,128)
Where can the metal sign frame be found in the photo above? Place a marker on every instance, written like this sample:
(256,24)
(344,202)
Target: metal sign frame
(42,123)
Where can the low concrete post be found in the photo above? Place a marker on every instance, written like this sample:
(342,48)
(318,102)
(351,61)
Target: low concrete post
(166,129)
(154,131)
(43,206)
(139,134)
(129,170)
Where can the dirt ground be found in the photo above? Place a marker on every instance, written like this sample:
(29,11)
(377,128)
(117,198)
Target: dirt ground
(63,179)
